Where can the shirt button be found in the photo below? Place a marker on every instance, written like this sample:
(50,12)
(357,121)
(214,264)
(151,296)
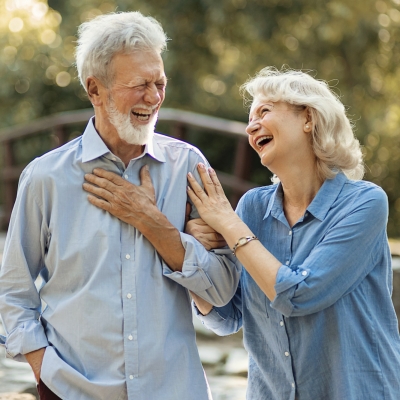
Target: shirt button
(304,273)
(306,214)
(281,323)
(114,159)
(286,353)
(127,256)
(128,295)
(287,262)
(130,376)
(293,384)
(130,337)
(290,232)
(126,176)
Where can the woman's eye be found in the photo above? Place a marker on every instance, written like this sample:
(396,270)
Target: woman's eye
(264,110)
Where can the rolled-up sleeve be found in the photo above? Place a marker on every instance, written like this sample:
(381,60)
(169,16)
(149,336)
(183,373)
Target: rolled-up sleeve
(338,263)
(212,275)
(20,304)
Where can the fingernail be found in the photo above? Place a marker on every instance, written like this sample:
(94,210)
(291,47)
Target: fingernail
(202,166)
(211,170)
(190,175)
(146,167)
(188,188)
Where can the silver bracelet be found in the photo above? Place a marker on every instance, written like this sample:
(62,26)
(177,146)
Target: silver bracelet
(242,241)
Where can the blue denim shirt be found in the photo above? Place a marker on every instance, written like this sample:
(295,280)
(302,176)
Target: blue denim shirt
(331,332)
(116,317)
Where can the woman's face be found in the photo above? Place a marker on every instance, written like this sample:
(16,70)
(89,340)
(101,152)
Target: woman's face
(279,133)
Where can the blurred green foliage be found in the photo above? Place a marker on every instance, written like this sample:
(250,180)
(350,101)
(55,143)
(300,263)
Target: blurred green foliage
(215,46)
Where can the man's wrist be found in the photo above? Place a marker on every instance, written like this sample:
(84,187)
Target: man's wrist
(35,359)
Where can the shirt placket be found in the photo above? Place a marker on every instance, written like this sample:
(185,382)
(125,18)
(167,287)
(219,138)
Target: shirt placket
(129,304)
(282,325)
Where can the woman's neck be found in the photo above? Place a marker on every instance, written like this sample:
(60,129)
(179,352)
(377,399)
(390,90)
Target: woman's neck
(299,190)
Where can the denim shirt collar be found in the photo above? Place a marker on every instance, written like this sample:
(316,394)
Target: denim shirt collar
(321,203)
(93,146)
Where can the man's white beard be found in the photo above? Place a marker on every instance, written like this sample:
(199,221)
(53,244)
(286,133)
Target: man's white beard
(127,131)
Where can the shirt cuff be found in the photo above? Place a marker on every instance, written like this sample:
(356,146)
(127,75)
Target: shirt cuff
(212,320)
(28,336)
(286,281)
(192,276)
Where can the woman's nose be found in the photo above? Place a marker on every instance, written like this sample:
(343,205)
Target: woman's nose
(252,127)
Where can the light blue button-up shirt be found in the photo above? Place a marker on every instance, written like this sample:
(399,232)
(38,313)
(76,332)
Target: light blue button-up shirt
(116,317)
(331,332)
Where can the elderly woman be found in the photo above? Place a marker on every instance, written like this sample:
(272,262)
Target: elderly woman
(314,299)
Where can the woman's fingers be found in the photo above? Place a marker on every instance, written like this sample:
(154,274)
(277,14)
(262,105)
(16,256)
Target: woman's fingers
(206,179)
(195,186)
(217,184)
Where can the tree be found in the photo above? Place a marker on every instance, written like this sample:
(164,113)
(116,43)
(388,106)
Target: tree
(215,46)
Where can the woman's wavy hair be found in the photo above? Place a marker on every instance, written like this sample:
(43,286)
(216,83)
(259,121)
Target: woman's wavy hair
(106,35)
(334,144)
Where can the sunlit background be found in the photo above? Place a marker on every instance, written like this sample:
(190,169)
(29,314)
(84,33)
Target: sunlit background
(215,46)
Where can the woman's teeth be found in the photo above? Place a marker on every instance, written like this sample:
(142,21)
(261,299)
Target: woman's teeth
(261,141)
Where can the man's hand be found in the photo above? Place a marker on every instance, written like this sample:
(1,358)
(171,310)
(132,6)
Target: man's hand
(206,235)
(128,202)
(35,359)
(136,205)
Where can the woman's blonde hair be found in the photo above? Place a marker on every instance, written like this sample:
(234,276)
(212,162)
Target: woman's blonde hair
(333,140)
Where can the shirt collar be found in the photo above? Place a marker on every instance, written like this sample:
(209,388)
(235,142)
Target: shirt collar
(93,146)
(326,196)
(275,202)
(321,203)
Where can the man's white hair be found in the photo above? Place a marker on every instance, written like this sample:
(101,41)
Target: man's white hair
(106,35)
(334,144)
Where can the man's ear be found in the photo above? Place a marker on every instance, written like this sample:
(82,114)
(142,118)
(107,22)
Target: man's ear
(95,91)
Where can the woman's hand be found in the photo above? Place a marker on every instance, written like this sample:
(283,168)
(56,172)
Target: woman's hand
(211,203)
(206,235)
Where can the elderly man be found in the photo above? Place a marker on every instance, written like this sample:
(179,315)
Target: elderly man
(116,269)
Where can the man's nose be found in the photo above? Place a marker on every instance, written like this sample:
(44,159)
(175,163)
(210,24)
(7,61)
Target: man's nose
(152,95)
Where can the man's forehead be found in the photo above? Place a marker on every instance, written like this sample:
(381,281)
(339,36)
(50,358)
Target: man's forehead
(138,67)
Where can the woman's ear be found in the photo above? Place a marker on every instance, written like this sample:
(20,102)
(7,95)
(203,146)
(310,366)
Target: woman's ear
(308,124)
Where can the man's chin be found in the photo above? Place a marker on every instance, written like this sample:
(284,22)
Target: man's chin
(138,135)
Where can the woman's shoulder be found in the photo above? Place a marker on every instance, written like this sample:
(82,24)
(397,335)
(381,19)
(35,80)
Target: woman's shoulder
(364,190)
(261,194)
(363,195)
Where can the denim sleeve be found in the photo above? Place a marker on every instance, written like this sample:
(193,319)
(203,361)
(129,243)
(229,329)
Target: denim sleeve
(223,320)
(212,275)
(338,263)
(20,304)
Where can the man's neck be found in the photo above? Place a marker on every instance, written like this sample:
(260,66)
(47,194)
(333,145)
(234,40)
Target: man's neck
(125,151)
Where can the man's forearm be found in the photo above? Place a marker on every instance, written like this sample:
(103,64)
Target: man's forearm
(202,305)
(165,238)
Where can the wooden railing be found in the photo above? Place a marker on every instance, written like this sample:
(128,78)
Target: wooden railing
(180,122)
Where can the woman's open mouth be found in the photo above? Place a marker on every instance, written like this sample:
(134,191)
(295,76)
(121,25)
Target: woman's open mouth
(263,140)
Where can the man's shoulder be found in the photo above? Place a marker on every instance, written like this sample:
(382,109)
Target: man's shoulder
(166,142)
(54,159)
